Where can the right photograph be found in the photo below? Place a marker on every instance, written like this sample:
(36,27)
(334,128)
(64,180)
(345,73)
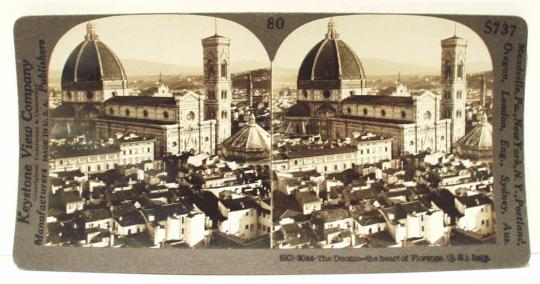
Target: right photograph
(382,135)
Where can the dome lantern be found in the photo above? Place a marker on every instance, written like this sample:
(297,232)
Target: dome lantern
(91,32)
(332,31)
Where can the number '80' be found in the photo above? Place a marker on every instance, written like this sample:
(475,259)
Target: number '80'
(275,23)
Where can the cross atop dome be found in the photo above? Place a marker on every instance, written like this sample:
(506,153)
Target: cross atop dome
(91,31)
(332,31)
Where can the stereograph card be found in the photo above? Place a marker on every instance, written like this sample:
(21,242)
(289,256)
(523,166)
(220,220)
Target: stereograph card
(270,143)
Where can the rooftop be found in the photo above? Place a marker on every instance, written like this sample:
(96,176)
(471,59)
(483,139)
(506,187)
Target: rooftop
(312,151)
(239,203)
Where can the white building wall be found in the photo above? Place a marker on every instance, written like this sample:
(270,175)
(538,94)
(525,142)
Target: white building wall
(241,223)
(194,229)
(434,224)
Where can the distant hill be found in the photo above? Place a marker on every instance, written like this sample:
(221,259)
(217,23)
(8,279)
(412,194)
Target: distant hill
(372,66)
(379,67)
(137,67)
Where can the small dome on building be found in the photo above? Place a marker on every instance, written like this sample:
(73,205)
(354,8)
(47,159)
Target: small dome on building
(299,109)
(477,144)
(250,143)
(331,59)
(326,107)
(92,61)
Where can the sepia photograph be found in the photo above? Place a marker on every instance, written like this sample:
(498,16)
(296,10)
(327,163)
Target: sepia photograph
(160,135)
(382,135)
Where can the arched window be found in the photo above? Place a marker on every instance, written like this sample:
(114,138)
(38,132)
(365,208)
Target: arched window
(427,115)
(460,70)
(326,94)
(304,92)
(383,112)
(458,94)
(127,111)
(224,114)
(224,69)
(165,115)
(68,95)
(224,94)
(447,94)
(349,110)
(447,69)
(191,115)
(365,111)
(210,72)
(458,113)
(403,114)
(89,95)
(211,95)
(145,113)
(111,110)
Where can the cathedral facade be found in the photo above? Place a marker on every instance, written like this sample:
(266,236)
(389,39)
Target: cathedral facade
(96,101)
(333,100)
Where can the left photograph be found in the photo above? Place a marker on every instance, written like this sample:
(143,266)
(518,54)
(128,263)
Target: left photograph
(160,135)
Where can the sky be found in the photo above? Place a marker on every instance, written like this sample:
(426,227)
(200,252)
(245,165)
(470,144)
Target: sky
(171,39)
(176,39)
(399,38)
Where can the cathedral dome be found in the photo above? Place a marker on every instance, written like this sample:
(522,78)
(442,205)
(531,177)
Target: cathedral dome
(92,61)
(331,59)
(251,142)
(477,144)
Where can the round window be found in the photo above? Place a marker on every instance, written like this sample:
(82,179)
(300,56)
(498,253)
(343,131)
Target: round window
(326,94)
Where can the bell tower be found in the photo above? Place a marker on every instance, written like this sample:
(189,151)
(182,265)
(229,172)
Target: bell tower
(218,84)
(454,84)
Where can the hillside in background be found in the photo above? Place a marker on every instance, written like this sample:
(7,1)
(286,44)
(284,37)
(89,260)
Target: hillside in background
(142,68)
(376,68)
(373,67)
